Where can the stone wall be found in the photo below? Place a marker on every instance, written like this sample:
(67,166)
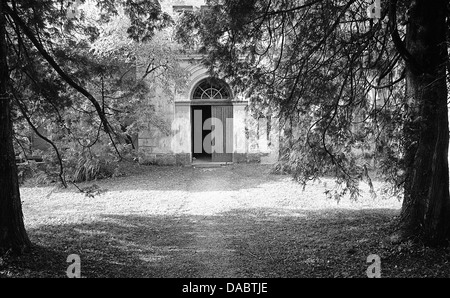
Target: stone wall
(165,159)
(254,140)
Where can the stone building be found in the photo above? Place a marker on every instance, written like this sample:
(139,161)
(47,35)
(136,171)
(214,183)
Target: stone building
(209,121)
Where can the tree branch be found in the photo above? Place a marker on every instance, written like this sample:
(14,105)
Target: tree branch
(56,67)
(27,118)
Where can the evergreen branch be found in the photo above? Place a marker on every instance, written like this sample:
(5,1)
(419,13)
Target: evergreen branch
(56,67)
(27,118)
(106,126)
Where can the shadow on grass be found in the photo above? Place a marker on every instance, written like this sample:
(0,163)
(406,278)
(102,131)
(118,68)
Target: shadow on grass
(115,246)
(240,243)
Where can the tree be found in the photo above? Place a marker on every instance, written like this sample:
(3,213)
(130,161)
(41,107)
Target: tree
(343,82)
(426,205)
(12,228)
(118,71)
(40,64)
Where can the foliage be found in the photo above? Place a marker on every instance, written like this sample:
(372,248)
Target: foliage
(349,82)
(118,53)
(328,71)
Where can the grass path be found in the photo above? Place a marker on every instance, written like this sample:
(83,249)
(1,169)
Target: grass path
(236,221)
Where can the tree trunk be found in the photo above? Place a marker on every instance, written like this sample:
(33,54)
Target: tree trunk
(12,230)
(425,212)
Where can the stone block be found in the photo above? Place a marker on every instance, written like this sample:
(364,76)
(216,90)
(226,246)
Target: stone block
(147,159)
(165,159)
(183,159)
(146,142)
(239,157)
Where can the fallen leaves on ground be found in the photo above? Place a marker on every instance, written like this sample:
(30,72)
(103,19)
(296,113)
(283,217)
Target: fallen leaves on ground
(235,221)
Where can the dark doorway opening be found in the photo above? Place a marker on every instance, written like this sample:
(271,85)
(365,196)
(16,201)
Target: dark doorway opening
(201,137)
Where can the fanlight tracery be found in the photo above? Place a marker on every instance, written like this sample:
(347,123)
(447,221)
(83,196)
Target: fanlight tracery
(211,89)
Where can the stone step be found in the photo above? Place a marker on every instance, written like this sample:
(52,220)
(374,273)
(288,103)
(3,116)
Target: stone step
(210,164)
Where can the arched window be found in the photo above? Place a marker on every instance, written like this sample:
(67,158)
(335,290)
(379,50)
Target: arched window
(211,89)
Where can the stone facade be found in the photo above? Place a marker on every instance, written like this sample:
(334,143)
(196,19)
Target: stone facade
(250,140)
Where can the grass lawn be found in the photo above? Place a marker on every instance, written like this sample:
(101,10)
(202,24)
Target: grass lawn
(235,221)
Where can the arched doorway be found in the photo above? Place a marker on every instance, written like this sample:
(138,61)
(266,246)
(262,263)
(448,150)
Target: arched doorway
(212,121)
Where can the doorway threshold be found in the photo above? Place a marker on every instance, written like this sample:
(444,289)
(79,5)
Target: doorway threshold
(209,164)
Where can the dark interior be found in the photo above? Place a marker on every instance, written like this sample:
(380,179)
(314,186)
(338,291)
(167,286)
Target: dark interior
(205,114)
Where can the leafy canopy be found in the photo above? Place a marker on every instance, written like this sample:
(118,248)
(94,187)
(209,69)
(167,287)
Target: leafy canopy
(89,72)
(328,71)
